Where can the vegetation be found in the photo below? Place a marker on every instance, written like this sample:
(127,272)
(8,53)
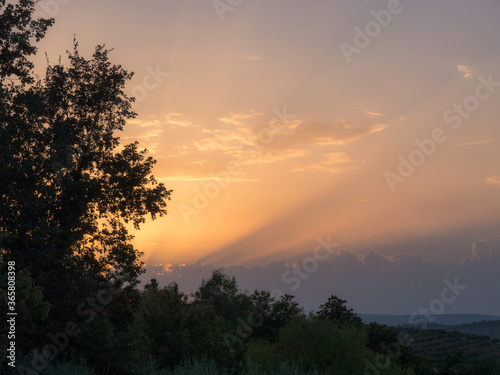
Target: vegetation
(68,192)
(453,349)
(489,328)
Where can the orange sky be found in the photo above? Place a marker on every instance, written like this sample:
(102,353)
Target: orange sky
(266,96)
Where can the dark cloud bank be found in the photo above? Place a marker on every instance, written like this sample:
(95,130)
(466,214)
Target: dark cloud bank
(371,283)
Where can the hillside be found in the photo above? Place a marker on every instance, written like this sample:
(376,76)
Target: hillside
(435,345)
(484,328)
(444,319)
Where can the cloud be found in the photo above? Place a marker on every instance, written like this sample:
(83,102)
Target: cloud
(244,138)
(495,180)
(225,140)
(178,151)
(475,143)
(252,58)
(466,71)
(480,251)
(145,124)
(329,164)
(269,157)
(374,114)
(149,138)
(150,134)
(205,178)
(235,118)
(370,282)
(173,121)
(264,143)
(337,134)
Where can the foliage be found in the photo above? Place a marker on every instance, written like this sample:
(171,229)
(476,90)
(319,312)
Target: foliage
(317,345)
(325,345)
(273,313)
(176,330)
(221,292)
(31,308)
(17,31)
(335,310)
(68,191)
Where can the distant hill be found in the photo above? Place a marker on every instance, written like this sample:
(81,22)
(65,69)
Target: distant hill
(434,343)
(485,328)
(444,319)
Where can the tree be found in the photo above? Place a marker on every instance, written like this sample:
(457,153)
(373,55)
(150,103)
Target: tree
(17,29)
(69,188)
(160,319)
(275,314)
(31,309)
(175,330)
(379,335)
(221,292)
(221,295)
(322,346)
(335,310)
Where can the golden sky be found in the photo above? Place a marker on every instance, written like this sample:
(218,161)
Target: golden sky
(392,145)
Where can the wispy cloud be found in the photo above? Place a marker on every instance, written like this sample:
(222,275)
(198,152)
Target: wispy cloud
(466,71)
(178,151)
(374,114)
(495,180)
(330,164)
(252,58)
(235,118)
(475,143)
(346,132)
(225,140)
(173,120)
(196,151)
(145,124)
(153,133)
(187,178)
(271,157)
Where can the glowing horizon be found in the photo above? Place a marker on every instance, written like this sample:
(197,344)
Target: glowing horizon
(270,137)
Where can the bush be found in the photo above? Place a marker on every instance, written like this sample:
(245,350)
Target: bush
(313,345)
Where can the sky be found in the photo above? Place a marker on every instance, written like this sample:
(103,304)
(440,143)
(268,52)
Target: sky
(403,284)
(373,123)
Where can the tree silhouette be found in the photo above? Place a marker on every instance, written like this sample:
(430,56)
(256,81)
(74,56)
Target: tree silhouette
(17,29)
(335,310)
(69,187)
